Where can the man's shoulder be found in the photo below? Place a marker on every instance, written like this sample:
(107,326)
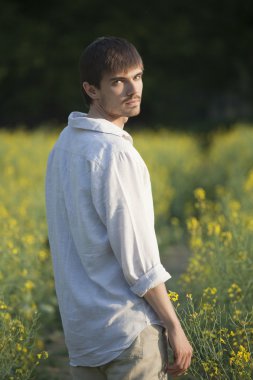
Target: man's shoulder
(109,148)
(94,145)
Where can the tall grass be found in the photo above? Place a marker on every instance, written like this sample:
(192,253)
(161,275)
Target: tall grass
(203,198)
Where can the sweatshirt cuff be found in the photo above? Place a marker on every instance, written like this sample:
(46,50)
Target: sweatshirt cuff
(149,280)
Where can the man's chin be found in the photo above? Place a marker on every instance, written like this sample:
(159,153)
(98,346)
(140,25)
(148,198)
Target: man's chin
(133,112)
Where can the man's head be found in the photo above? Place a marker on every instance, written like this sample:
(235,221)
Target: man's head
(106,56)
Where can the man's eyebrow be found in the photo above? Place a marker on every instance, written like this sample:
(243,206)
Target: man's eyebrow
(123,78)
(117,78)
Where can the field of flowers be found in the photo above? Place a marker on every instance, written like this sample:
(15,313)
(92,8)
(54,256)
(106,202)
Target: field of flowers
(203,198)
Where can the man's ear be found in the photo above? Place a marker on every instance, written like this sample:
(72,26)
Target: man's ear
(90,90)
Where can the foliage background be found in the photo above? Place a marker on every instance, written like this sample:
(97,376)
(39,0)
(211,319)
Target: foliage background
(198,58)
(202,200)
(198,77)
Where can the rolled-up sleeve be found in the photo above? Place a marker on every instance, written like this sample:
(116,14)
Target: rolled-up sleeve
(122,196)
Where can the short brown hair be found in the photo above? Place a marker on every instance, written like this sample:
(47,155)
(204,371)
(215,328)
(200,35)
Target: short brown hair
(106,55)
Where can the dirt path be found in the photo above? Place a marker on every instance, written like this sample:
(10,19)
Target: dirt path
(56,366)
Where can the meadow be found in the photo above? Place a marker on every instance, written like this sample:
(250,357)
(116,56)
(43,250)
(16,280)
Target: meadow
(203,199)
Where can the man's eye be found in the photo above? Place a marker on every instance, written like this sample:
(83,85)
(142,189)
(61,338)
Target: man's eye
(139,76)
(116,82)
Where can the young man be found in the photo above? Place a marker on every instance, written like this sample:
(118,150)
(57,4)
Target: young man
(116,314)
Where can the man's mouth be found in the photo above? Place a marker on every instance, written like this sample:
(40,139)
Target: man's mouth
(133,101)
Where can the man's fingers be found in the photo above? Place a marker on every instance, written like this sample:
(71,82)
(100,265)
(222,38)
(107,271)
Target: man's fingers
(182,356)
(184,367)
(186,361)
(176,369)
(179,361)
(180,365)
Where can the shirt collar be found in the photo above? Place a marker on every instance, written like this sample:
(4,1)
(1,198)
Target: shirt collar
(80,120)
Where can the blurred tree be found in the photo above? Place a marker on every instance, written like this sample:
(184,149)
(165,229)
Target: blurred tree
(198,58)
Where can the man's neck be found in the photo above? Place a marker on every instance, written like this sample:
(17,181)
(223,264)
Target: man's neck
(100,113)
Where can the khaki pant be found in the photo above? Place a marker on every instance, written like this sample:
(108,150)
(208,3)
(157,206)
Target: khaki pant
(145,359)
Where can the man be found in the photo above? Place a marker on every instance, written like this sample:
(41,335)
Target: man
(109,279)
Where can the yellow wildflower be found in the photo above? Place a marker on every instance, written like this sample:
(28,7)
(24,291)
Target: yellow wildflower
(3,306)
(234,205)
(248,184)
(227,237)
(240,357)
(200,194)
(235,292)
(43,255)
(29,285)
(173,296)
(18,347)
(213,228)
(29,239)
(196,242)
(211,291)
(192,224)
(42,355)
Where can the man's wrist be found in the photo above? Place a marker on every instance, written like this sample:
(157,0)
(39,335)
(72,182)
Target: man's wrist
(172,324)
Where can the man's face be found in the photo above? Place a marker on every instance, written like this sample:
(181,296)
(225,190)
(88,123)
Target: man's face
(120,94)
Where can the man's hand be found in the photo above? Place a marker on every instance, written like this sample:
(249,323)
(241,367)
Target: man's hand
(159,300)
(182,351)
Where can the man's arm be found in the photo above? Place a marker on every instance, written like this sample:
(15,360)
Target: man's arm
(158,298)
(121,194)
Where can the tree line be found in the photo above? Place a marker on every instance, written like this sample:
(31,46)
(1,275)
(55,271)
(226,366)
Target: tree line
(197,57)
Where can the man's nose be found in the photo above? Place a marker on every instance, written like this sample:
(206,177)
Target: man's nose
(131,88)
